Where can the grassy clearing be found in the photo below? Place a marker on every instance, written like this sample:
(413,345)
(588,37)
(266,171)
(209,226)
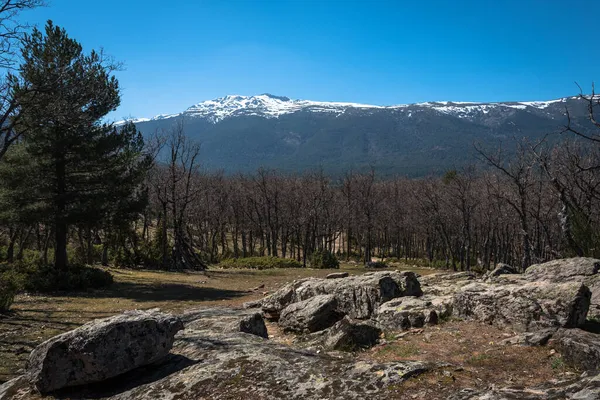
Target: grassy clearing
(34,319)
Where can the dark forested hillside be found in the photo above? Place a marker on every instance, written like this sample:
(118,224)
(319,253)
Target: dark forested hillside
(413,140)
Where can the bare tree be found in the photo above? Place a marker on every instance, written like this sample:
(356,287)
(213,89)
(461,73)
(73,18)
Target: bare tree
(12,29)
(175,188)
(519,173)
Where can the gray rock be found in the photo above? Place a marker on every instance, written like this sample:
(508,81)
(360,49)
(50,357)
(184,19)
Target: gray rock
(351,335)
(235,365)
(537,338)
(445,284)
(337,275)
(563,270)
(273,304)
(578,269)
(501,269)
(102,349)
(525,306)
(578,348)
(357,296)
(17,388)
(410,312)
(225,320)
(311,315)
(252,304)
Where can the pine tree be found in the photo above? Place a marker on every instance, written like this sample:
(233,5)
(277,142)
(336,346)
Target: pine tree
(72,168)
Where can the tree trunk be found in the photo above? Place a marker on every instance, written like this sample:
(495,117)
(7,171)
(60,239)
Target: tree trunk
(60,253)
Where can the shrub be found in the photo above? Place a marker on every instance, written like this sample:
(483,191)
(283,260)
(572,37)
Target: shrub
(376,264)
(260,263)
(11,282)
(324,259)
(45,278)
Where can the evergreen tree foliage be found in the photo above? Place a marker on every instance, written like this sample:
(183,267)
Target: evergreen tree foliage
(72,168)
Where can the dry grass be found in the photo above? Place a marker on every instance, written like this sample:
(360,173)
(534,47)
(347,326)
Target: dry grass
(475,359)
(37,318)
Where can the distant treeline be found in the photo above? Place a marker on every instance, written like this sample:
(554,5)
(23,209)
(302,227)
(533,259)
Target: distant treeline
(542,204)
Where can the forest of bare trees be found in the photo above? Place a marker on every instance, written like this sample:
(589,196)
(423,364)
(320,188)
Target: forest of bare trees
(540,203)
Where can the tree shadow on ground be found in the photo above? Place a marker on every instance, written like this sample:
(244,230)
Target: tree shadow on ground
(132,379)
(142,292)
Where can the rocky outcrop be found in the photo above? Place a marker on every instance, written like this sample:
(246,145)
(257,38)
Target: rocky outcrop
(526,306)
(357,296)
(102,349)
(578,348)
(411,312)
(229,366)
(311,315)
(208,362)
(578,269)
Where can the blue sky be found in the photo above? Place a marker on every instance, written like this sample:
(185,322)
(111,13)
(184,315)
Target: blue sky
(179,52)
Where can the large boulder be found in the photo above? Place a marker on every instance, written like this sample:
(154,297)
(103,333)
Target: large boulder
(351,335)
(311,315)
(525,306)
(577,269)
(357,296)
(578,348)
(102,349)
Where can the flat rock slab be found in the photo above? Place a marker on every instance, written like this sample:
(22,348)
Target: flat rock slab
(102,349)
(525,306)
(233,366)
(224,320)
(445,284)
(586,388)
(357,296)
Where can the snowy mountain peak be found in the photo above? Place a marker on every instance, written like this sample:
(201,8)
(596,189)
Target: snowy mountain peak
(265,105)
(270,106)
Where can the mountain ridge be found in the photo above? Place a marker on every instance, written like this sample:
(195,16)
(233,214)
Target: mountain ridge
(272,106)
(243,133)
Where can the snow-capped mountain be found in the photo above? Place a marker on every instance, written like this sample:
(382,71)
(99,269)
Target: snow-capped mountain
(243,133)
(270,106)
